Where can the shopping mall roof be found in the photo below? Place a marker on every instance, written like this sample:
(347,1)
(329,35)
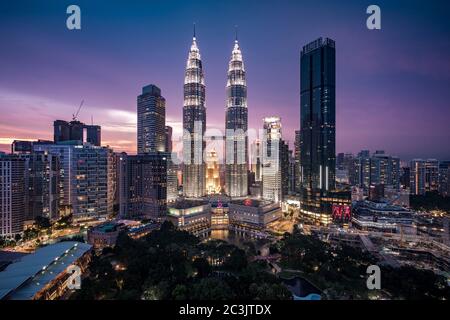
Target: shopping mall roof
(23,279)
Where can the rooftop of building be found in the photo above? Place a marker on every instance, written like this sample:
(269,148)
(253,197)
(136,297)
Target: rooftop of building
(381,209)
(251,202)
(23,279)
(107,227)
(320,42)
(186,204)
(380,206)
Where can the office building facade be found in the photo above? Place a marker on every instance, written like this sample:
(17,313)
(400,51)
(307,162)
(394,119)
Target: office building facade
(318,128)
(151,120)
(271,160)
(318,115)
(147,186)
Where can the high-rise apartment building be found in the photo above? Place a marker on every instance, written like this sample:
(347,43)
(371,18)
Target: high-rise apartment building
(87,178)
(444,178)
(12,195)
(43,174)
(424,176)
(367,170)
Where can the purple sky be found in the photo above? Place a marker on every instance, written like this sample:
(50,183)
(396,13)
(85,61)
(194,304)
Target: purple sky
(392,84)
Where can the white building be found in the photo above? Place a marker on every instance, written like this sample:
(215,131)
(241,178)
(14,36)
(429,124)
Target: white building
(271,162)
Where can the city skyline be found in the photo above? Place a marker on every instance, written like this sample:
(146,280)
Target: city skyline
(288,174)
(386,70)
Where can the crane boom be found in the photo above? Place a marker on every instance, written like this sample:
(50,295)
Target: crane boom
(74,116)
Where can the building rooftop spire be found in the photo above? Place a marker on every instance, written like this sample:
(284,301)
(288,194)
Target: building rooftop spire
(194,31)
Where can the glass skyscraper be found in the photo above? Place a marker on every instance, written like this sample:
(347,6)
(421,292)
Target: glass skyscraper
(151,120)
(194,125)
(236,125)
(318,123)
(318,114)
(147,186)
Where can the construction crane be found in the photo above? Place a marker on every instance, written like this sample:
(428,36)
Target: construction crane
(75,115)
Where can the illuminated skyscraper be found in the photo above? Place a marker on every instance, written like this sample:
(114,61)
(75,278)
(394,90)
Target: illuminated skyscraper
(236,124)
(271,160)
(194,125)
(87,179)
(424,176)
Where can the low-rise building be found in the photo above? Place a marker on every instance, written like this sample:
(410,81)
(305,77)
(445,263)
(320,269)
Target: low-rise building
(191,215)
(45,274)
(383,217)
(252,216)
(104,235)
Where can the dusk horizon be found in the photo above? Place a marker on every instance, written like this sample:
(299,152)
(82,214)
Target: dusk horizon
(391,90)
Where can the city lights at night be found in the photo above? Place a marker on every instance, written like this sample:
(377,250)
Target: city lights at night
(198,156)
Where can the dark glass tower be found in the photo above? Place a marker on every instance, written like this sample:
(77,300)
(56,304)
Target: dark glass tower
(147,186)
(318,124)
(236,125)
(151,120)
(318,114)
(194,125)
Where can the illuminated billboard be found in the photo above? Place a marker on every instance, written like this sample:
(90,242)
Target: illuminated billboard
(341,212)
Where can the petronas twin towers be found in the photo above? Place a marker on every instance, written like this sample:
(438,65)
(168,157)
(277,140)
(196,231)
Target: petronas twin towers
(194,125)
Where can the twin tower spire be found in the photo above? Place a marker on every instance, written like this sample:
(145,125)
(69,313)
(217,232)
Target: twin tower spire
(194,125)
